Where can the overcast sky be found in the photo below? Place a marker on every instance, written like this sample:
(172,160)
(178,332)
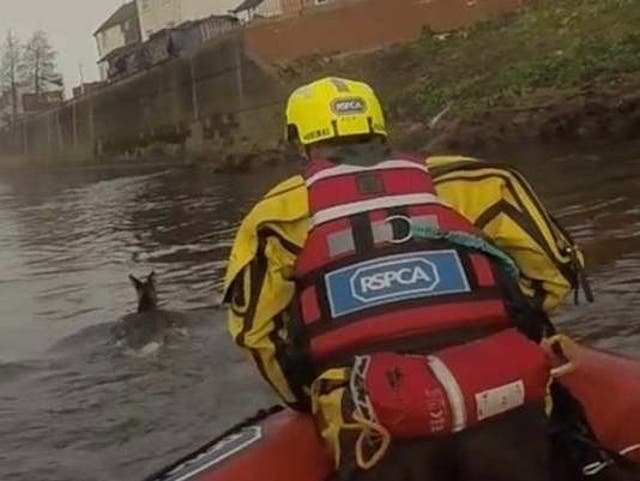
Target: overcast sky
(70,24)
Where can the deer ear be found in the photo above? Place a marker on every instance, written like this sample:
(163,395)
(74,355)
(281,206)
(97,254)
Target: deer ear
(151,279)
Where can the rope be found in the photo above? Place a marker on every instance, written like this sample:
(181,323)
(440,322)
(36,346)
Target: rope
(259,416)
(599,466)
(369,430)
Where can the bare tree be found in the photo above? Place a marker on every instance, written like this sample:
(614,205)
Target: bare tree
(9,70)
(38,65)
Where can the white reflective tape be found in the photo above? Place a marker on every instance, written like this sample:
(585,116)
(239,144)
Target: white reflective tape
(382,232)
(429,220)
(341,243)
(387,202)
(454,393)
(345,169)
(224,449)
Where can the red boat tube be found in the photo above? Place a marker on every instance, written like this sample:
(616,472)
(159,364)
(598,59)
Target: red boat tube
(281,445)
(608,386)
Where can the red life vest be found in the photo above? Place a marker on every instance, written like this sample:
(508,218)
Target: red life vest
(363,282)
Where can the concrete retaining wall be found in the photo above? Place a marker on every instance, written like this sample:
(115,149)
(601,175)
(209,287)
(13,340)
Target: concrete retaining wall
(222,102)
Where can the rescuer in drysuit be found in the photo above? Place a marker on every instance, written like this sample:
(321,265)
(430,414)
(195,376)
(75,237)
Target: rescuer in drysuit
(402,301)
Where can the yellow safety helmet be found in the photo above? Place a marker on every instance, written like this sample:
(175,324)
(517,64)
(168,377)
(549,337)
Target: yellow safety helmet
(333,107)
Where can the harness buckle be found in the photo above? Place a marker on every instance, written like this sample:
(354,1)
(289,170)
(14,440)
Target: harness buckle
(409,222)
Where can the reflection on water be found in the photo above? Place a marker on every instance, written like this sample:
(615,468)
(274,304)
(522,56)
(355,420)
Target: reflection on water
(73,407)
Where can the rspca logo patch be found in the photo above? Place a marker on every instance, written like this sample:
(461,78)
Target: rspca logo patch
(349,106)
(387,279)
(395,278)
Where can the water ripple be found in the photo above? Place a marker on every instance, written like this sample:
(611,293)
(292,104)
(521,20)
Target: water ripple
(74,407)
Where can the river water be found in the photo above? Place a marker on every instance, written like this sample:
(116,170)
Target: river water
(75,407)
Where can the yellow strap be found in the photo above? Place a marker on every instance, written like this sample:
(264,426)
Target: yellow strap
(570,350)
(336,377)
(370,431)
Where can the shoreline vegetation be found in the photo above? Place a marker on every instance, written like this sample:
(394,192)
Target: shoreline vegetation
(565,70)
(562,72)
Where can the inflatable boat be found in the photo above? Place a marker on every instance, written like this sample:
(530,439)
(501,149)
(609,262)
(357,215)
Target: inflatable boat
(280,445)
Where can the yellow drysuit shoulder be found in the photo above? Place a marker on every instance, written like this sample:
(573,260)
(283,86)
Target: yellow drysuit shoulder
(497,199)
(258,287)
(287,203)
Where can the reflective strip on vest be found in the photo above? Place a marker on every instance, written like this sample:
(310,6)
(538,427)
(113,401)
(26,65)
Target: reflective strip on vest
(345,169)
(387,202)
(341,242)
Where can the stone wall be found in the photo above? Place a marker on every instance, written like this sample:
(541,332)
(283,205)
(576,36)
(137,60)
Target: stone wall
(221,102)
(216,102)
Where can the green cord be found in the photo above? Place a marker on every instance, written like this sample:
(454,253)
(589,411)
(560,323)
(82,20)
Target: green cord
(429,231)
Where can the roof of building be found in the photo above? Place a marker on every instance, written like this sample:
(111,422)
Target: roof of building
(247,5)
(124,13)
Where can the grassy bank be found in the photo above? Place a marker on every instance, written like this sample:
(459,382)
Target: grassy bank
(558,48)
(564,70)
